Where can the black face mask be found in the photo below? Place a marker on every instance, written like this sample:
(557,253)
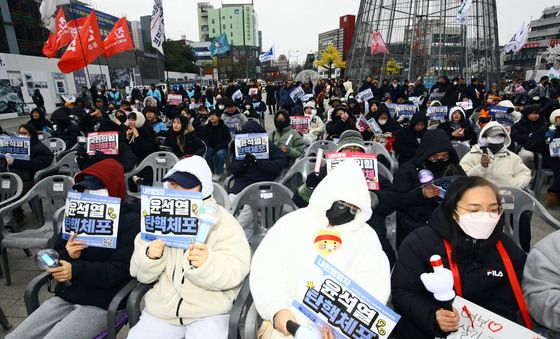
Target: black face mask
(340,214)
(495,148)
(280,125)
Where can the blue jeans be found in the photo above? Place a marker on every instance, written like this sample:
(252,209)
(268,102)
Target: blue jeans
(220,156)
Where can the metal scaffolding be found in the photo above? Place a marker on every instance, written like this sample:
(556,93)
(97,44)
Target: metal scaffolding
(425,39)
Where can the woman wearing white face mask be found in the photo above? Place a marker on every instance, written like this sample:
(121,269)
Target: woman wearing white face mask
(466,230)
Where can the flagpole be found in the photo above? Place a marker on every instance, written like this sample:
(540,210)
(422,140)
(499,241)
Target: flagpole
(80,40)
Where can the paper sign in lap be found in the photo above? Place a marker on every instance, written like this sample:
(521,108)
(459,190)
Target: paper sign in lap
(554,148)
(104,142)
(367,161)
(338,302)
(170,215)
(19,148)
(255,143)
(94,218)
(483,324)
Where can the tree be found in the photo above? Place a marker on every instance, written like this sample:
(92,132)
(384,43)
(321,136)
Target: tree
(393,68)
(330,59)
(179,57)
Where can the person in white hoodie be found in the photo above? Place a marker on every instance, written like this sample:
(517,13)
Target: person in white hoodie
(316,125)
(332,226)
(492,160)
(195,288)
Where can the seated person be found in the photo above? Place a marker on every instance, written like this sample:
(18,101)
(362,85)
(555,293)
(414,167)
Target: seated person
(64,127)
(96,274)
(458,128)
(408,139)
(283,133)
(338,210)
(233,118)
(316,124)
(194,289)
(183,140)
(217,137)
(521,131)
(39,121)
(341,120)
(541,279)
(468,225)
(152,119)
(141,138)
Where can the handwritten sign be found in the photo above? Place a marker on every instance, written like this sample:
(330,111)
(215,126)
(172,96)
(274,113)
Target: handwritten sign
(94,218)
(174,99)
(19,148)
(104,142)
(554,148)
(437,113)
(255,143)
(170,215)
(365,95)
(367,161)
(338,302)
(478,322)
(300,123)
(296,94)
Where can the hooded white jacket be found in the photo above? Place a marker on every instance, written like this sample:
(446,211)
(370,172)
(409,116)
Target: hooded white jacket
(183,294)
(284,262)
(505,169)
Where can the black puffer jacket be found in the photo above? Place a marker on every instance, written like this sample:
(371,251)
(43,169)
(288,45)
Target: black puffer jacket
(406,140)
(521,131)
(475,259)
(413,208)
(217,137)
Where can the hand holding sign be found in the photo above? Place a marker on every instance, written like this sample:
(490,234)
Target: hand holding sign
(155,249)
(9,159)
(448,321)
(75,247)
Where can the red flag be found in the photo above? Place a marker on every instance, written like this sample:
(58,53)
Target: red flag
(85,47)
(75,25)
(60,38)
(377,44)
(119,40)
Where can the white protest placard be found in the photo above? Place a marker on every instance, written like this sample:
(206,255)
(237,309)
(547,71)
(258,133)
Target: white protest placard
(478,322)
(466,105)
(365,95)
(374,126)
(437,113)
(366,161)
(501,115)
(340,303)
(392,108)
(104,142)
(174,99)
(237,95)
(406,111)
(94,218)
(300,123)
(255,143)
(19,148)
(253,91)
(297,93)
(170,215)
(554,148)
(414,100)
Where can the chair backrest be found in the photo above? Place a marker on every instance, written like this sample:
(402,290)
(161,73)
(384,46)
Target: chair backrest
(515,202)
(160,163)
(67,165)
(72,149)
(244,320)
(49,195)
(326,145)
(11,187)
(56,145)
(297,174)
(221,196)
(379,149)
(384,171)
(42,135)
(461,149)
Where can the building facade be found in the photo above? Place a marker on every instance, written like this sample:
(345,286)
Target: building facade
(238,22)
(136,33)
(203,28)
(340,38)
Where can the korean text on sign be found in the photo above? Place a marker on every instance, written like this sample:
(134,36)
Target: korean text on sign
(94,218)
(255,143)
(170,215)
(554,147)
(18,147)
(367,161)
(406,111)
(437,113)
(348,309)
(501,115)
(300,123)
(104,142)
(174,99)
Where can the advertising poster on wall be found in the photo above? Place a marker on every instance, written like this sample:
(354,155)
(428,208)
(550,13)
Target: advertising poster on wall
(60,83)
(11,98)
(98,80)
(121,76)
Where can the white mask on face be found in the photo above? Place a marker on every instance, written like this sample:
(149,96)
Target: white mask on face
(479,225)
(221,107)
(102,192)
(498,139)
(382,122)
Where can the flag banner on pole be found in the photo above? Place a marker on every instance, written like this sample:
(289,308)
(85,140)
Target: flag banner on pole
(377,44)
(85,47)
(219,45)
(463,13)
(158,26)
(119,40)
(518,40)
(268,55)
(59,38)
(75,25)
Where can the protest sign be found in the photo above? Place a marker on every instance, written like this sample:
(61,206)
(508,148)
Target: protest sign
(437,113)
(374,126)
(478,322)
(362,124)
(253,91)
(392,108)
(170,215)
(340,303)
(256,143)
(466,105)
(233,126)
(237,95)
(501,115)
(174,99)
(296,94)
(415,101)
(19,148)
(300,123)
(104,142)
(367,161)
(94,218)
(365,95)
(406,111)
(554,148)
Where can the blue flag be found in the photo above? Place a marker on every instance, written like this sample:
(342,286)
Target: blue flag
(268,55)
(219,45)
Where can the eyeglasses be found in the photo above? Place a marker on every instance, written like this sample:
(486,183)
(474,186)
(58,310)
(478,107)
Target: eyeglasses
(339,204)
(494,212)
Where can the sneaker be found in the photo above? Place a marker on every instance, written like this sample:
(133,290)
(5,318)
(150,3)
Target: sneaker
(216,177)
(552,199)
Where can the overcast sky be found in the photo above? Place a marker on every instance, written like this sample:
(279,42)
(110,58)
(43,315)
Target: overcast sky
(293,25)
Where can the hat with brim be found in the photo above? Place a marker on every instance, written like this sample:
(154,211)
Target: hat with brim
(184,179)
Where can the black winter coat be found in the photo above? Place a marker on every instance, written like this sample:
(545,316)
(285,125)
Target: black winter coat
(217,137)
(468,134)
(406,140)
(100,273)
(475,258)
(521,130)
(192,145)
(69,134)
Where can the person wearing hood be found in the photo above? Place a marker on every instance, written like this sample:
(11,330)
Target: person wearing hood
(387,124)
(38,120)
(491,159)
(415,202)
(334,227)
(141,138)
(182,139)
(522,130)
(64,128)
(195,288)
(38,100)
(287,139)
(467,232)
(511,110)
(152,119)
(408,139)
(354,107)
(217,137)
(233,118)
(444,92)
(316,125)
(341,120)
(96,274)
(458,128)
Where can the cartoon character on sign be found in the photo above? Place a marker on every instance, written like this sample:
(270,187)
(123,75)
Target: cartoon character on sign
(327,242)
